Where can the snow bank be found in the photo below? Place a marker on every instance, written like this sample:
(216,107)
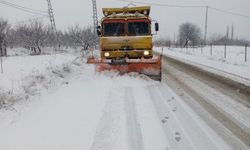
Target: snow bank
(45,51)
(18,67)
(27,76)
(234,64)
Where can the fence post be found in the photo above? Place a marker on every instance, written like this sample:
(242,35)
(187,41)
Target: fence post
(225,51)
(211,49)
(245,52)
(201,48)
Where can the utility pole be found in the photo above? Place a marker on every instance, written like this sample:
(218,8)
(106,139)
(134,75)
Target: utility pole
(95,18)
(205,35)
(95,21)
(51,16)
(52,21)
(227,33)
(232,32)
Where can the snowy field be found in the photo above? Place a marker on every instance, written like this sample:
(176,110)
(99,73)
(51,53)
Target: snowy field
(19,67)
(233,65)
(25,76)
(92,111)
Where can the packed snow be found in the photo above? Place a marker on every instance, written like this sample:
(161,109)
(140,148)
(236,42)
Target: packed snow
(103,111)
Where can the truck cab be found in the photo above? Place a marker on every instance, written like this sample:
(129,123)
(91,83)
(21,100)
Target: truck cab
(126,33)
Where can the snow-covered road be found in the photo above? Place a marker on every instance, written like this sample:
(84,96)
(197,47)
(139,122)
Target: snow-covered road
(224,107)
(106,112)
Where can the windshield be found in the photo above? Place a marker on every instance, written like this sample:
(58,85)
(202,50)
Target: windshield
(138,28)
(113,29)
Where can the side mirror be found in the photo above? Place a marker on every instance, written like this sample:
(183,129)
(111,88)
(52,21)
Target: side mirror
(98,31)
(156,26)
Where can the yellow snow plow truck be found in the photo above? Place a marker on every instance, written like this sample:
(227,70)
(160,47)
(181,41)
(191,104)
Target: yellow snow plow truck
(126,42)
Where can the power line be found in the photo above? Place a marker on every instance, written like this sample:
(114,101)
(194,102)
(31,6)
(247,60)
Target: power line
(183,6)
(166,5)
(188,6)
(16,5)
(25,9)
(229,12)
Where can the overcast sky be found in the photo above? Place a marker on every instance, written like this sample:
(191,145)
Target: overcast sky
(70,12)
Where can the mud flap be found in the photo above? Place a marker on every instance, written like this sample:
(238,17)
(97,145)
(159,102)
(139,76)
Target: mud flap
(149,67)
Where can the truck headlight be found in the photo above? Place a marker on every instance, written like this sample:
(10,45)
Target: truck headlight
(106,54)
(146,53)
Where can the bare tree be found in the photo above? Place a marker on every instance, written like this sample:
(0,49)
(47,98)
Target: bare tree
(32,35)
(162,42)
(51,39)
(4,28)
(38,34)
(83,37)
(11,38)
(189,34)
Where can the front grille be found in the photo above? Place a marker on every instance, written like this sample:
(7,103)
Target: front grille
(126,48)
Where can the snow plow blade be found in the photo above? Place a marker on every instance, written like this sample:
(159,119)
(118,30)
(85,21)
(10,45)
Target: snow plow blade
(149,67)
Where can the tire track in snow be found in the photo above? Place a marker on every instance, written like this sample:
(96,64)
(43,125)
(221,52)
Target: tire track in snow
(119,128)
(181,127)
(109,133)
(134,136)
(163,112)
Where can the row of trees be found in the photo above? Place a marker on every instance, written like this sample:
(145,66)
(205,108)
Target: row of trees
(190,35)
(35,35)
